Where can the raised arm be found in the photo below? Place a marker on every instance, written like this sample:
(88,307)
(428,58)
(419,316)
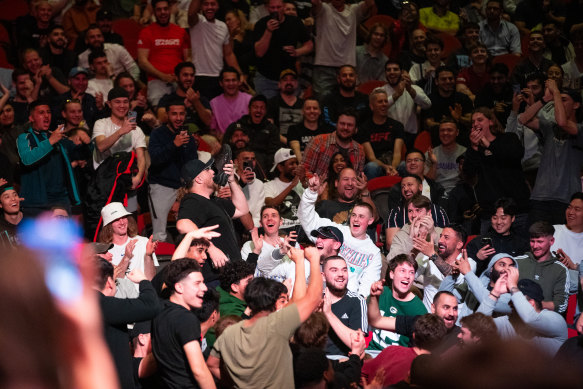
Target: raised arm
(375,319)
(193,9)
(313,296)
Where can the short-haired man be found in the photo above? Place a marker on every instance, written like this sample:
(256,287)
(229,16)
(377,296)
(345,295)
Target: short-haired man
(279,41)
(285,109)
(558,48)
(320,150)
(569,239)
(211,45)
(497,94)
(285,191)
(500,239)
(534,62)
(440,162)
(11,216)
(118,57)
(381,138)
(118,313)
(345,310)
(25,93)
(101,83)
(428,333)
(52,81)
(359,251)
(56,53)
(477,328)
(119,133)
(47,177)
(176,334)
(78,82)
(33,29)
(403,100)
(389,301)
(301,134)
(231,105)
(252,359)
(336,100)
(370,58)
(162,45)
(198,112)
(171,147)
(498,34)
(541,265)
(468,35)
(252,186)
(549,328)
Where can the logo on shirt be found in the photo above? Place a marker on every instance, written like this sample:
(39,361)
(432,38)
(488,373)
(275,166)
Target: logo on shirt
(345,316)
(393,310)
(166,42)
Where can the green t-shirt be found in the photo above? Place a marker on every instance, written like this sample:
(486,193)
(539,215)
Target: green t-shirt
(391,307)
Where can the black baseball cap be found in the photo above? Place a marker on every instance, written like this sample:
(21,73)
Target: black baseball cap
(193,168)
(531,289)
(328,232)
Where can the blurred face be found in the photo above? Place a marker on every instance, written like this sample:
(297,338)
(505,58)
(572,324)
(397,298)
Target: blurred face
(415,213)
(536,42)
(44,12)
(336,275)
(232,21)
(550,32)
(186,78)
(465,337)
(94,38)
(32,62)
(569,104)
(40,118)
(290,9)
(347,78)
(23,84)
(574,215)
(270,221)
(446,307)
(409,187)
(245,156)
(275,6)
(239,139)
(501,222)
(449,243)
(418,38)
(205,179)
(471,35)
(479,55)
(257,111)
(105,25)
(346,185)
(176,116)
(119,107)
(100,66)
(281,301)
(288,84)
(288,168)
(79,83)
(230,84)
(448,133)
(326,246)
(346,127)
(360,219)
(10,202)
(498,80)
(536,88)
(433,53)
(541,246)
(378,38)
(120,226)
(209,9)
(338,163)
(555,73)
(192,289)
(409,13)
(415,164)
(493,11)
(57,38)
(198,253)
(481,122)
(162,13)
(402,278)
(7,115)
(73,114)
(500,268)
(311,111)
(380,104)
(445,83)
(128,85)
(242,284)
(393,73)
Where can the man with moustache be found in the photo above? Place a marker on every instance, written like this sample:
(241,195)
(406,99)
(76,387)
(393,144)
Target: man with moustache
(345,310)
(285,109)
(345,96)
(56,53)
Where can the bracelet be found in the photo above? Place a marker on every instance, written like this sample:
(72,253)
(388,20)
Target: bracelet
(493,295)
(513,290)
(365,195)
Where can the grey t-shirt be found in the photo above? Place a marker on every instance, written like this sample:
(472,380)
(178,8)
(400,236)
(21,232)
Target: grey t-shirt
(561,161)
(447,167)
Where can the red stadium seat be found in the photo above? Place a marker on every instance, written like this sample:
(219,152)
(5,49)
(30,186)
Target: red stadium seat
(450,44)
(423,141)
(509,60)
(368,86)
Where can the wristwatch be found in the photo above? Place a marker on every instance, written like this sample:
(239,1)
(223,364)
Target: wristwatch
(434,257)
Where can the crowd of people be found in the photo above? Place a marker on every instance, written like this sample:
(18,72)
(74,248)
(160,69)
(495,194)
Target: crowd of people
(341,203)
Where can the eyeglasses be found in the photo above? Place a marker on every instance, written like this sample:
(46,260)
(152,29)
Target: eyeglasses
(414,160)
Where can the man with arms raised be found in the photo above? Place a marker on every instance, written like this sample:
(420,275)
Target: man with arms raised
(359,251)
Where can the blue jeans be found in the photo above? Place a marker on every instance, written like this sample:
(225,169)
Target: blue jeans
(373,170)
(265,86)
(324,80)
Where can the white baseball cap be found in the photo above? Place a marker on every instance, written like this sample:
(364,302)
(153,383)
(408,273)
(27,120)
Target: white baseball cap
(282,155)
(113,211)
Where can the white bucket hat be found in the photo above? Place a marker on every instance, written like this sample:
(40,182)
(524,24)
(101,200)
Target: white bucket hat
(112,212)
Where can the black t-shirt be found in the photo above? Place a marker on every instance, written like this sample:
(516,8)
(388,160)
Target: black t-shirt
(304,135)
(192,119)
(291,32)
(8,237)
(334,103)
(349,310)
(440,105)
(284,116)
(381,136)
(204,213)
(173,328)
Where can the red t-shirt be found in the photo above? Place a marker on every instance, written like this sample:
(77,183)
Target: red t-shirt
(166,45)
(474,81)
(396,360)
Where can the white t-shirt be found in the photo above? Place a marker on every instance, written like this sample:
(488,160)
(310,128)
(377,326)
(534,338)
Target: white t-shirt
(128,142)
(103,86)
(137,261)
(572,244)
(207,40)
(336,38)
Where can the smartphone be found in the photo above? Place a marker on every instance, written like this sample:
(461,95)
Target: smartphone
(133,116)
(248,165)
(516,88)
(486,241)
(558,255)
(274,15)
